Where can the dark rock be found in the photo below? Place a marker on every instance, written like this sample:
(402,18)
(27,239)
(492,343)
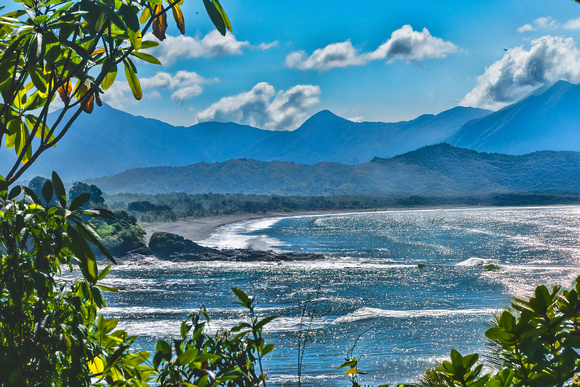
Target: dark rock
(141,250)
(176,248)
(165,244)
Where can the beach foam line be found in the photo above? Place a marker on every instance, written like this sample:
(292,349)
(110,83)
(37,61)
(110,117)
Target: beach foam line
(366,313)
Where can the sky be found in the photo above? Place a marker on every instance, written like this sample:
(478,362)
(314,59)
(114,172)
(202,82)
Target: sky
(365,61)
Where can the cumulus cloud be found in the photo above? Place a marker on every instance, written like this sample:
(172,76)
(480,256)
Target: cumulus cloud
(185,47)
(573,24)
(519,72)
(265,108)
(409,45)
(334,55)
(541,23)
(404,44)
(184,84)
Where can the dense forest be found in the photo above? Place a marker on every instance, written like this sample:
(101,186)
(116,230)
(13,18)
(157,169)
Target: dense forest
(172,206)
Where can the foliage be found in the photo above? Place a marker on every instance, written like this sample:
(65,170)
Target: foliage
(172,206)
(228,358)
(121,234)
(534,344)
(47,329)
(96,198)
(73,49)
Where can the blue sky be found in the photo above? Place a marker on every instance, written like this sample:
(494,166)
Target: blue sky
(372,61)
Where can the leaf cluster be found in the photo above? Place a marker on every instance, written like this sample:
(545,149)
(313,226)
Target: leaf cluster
(226,358)
(535,343)
(72,49)
(48,333)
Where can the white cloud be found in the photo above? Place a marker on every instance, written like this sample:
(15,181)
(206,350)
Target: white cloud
(519,72)
(186,85)
(334,55)
(526,28)
(185,47)
(267,46)
(404,44)
(265,108)
(573,24)
(541,23)
(546,23)
(409,45)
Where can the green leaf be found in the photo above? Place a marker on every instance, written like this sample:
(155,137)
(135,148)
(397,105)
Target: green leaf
(83,252)
(267,349)
(110,13)
(3,187)
(104,272)
(223,14)
(163,347)
(130,17)
(187,356)
(149,44)
(184,329)
(14,192)
(265,321)
(215,15)
(109,79)
(146,57)
(94,240)
(133,81)
(243,297)
(136,39)
(47,191)
(79,201)
(106,288)
(59,189)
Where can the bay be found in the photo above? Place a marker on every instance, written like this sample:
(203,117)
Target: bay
(368,290)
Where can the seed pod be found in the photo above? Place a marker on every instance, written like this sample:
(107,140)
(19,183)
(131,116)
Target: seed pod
(89,105)
(160,23)
(64,92)
(98,99)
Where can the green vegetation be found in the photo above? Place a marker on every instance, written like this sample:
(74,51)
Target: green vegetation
(172,206)
(50,331)
(534,344)
(72,50)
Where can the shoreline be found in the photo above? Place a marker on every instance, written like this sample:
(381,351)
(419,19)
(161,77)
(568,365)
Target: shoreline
(200,229)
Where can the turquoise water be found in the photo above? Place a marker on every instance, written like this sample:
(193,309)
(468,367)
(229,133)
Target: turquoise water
(369,283)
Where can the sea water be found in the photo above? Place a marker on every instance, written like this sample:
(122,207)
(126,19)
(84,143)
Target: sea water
(368,295)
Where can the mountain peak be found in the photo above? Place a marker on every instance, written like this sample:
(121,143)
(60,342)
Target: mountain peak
(324,115)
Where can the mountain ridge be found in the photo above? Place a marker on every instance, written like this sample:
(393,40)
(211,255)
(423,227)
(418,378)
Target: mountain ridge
(435,170)
(110,141)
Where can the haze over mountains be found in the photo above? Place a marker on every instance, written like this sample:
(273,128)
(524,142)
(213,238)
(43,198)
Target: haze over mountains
(110,141)
(436,170)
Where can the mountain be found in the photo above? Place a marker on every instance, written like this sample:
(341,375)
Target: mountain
(549,118)
(437,170)
(327,137)
(110,141)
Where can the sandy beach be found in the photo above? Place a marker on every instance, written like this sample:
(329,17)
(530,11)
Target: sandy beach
(199,229)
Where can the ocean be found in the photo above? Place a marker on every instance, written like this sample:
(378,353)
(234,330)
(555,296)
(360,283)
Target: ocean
(368,295)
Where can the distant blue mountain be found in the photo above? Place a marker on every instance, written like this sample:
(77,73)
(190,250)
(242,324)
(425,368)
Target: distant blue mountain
(437,170)
(110,141)
(327,137)
(548,119)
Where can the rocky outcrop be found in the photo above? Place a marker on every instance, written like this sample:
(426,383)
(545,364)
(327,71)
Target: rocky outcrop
(176,248)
